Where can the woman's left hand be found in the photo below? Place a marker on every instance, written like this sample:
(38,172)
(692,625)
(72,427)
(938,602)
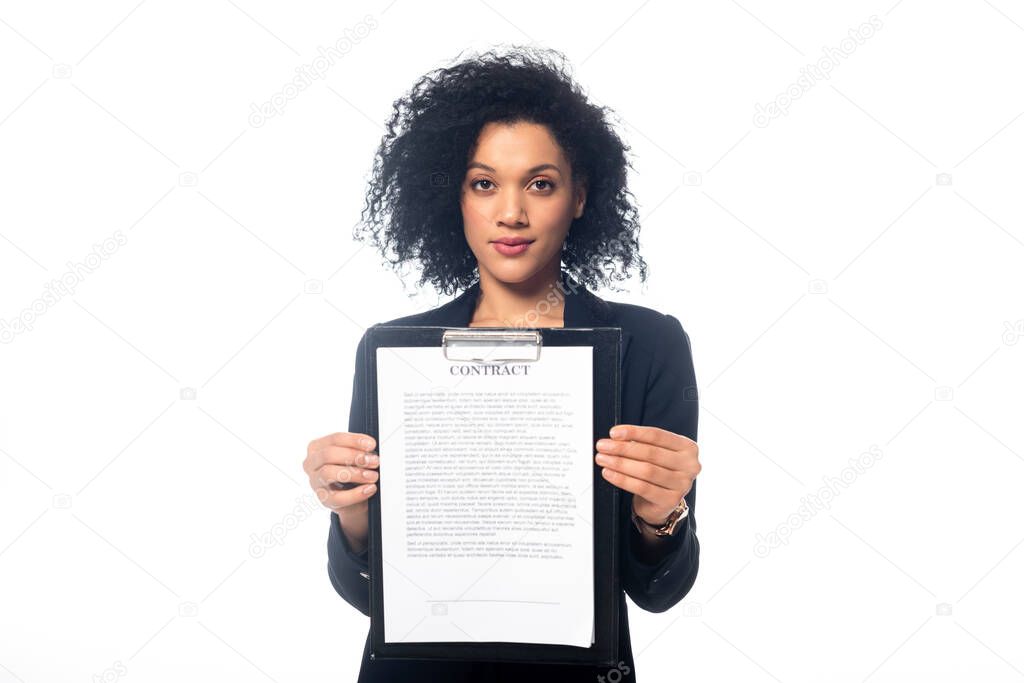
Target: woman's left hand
(655,465)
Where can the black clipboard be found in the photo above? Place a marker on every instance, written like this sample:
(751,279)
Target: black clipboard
(456,344)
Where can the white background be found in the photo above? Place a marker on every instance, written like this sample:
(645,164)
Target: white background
(838,295)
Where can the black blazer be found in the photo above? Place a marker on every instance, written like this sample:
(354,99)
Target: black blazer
(658,389)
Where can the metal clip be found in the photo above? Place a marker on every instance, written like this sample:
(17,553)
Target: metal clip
(493,340)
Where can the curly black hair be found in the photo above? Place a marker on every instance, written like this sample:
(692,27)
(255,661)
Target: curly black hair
(413,203)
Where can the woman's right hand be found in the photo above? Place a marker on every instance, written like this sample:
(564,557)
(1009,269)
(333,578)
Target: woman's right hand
(342,471)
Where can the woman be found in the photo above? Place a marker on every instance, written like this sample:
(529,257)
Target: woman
(498,177)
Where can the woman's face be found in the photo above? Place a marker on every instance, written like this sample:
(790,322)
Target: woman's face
(518,188)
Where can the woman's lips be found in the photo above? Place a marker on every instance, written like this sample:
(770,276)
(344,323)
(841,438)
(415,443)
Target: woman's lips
(511,249)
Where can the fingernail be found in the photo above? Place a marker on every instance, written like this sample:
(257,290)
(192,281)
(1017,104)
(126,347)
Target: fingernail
(615,432)
(368,474)
(367,443)
(372,459)
(370,488)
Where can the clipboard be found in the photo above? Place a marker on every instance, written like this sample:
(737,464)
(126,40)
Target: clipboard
(462,344)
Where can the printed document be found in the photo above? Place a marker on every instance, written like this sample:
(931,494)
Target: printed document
(486,496)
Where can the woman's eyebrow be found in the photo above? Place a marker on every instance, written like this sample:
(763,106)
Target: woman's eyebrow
(531,171)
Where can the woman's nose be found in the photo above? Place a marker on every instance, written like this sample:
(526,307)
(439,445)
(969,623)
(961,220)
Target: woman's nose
(512,212)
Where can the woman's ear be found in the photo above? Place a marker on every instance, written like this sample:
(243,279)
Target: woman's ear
(581,199)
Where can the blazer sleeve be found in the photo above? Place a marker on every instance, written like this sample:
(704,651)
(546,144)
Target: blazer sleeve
(670,403)
(347,570)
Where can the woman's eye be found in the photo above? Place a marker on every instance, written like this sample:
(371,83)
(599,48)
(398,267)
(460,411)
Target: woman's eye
(484,184)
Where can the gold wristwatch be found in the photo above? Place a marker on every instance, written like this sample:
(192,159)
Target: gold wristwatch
(679,513)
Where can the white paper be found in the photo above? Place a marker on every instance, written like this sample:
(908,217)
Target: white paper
(486,501)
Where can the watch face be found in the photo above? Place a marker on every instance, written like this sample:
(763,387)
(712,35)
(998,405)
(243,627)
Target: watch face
(673,523)
(669,527)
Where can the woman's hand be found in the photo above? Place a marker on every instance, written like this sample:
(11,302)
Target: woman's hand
(342,472)
(342,469)
(655,465)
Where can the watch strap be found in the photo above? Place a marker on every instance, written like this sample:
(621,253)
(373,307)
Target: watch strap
(672,522)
